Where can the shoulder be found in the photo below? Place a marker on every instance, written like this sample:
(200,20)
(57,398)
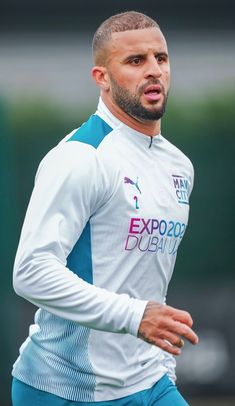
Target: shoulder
(92,132)
(79,147)
(68,157)
(77,160)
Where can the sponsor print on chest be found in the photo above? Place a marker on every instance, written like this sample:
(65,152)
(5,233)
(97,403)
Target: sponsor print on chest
(162,231)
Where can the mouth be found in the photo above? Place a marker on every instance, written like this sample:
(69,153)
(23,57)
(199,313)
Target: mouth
(153,92)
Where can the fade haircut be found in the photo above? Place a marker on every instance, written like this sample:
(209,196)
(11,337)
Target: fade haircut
(129,20)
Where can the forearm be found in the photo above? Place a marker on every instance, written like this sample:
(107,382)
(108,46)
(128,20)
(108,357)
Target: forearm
(51,286)
(67,192)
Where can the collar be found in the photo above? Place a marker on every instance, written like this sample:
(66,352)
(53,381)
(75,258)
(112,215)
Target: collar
(115,123)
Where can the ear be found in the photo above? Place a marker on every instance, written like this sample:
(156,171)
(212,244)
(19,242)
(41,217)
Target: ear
(101,77)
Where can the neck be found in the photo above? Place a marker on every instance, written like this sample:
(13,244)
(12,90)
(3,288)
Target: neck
(146,127)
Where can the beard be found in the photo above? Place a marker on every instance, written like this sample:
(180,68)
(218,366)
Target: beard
(131,104)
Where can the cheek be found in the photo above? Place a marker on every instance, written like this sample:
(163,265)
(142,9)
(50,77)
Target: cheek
(128,80)
(167,77)
(121,79)
(129,85)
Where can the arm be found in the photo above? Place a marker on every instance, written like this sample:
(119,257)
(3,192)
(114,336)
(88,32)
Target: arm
(70,186)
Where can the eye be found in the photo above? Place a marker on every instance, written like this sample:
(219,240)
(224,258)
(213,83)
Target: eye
(161,58)
(136,61)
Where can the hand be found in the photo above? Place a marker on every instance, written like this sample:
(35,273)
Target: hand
(164,326)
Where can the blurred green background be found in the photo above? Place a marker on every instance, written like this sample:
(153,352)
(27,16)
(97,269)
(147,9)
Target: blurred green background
(46,91)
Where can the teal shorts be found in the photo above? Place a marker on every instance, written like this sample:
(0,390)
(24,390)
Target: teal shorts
(163,393)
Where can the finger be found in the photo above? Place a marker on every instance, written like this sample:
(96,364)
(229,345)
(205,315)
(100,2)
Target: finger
(181,315)
(183,330)
(166,346)
(170,325)
(173,339)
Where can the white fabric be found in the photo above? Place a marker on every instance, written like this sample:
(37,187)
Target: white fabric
(135,199)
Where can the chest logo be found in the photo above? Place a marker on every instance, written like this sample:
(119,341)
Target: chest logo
(131,182)
(181,188)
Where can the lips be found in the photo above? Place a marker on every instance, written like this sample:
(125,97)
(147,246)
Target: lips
(153,92)
(153,89)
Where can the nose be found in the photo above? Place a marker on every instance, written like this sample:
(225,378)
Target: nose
(153,69)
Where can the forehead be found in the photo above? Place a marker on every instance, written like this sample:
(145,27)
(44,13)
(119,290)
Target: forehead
(137,41)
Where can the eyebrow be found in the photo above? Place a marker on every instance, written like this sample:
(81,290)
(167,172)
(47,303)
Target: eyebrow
(162,54)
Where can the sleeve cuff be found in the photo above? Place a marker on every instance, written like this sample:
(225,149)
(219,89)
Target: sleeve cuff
(138,308)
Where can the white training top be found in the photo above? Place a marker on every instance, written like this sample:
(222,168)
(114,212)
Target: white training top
(107,214)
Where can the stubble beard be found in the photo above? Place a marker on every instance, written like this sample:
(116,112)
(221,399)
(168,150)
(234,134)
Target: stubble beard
(131,104)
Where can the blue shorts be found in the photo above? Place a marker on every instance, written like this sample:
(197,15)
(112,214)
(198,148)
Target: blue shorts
(163,393)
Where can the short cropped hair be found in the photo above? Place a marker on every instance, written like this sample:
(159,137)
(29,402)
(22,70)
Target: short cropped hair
(129,20)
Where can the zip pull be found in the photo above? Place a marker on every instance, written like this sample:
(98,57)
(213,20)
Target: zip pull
(151,141)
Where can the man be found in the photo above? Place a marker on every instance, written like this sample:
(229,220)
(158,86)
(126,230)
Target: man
(99,241)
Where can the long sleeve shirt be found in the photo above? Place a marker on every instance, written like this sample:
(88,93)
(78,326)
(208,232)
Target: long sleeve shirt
(100,237)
